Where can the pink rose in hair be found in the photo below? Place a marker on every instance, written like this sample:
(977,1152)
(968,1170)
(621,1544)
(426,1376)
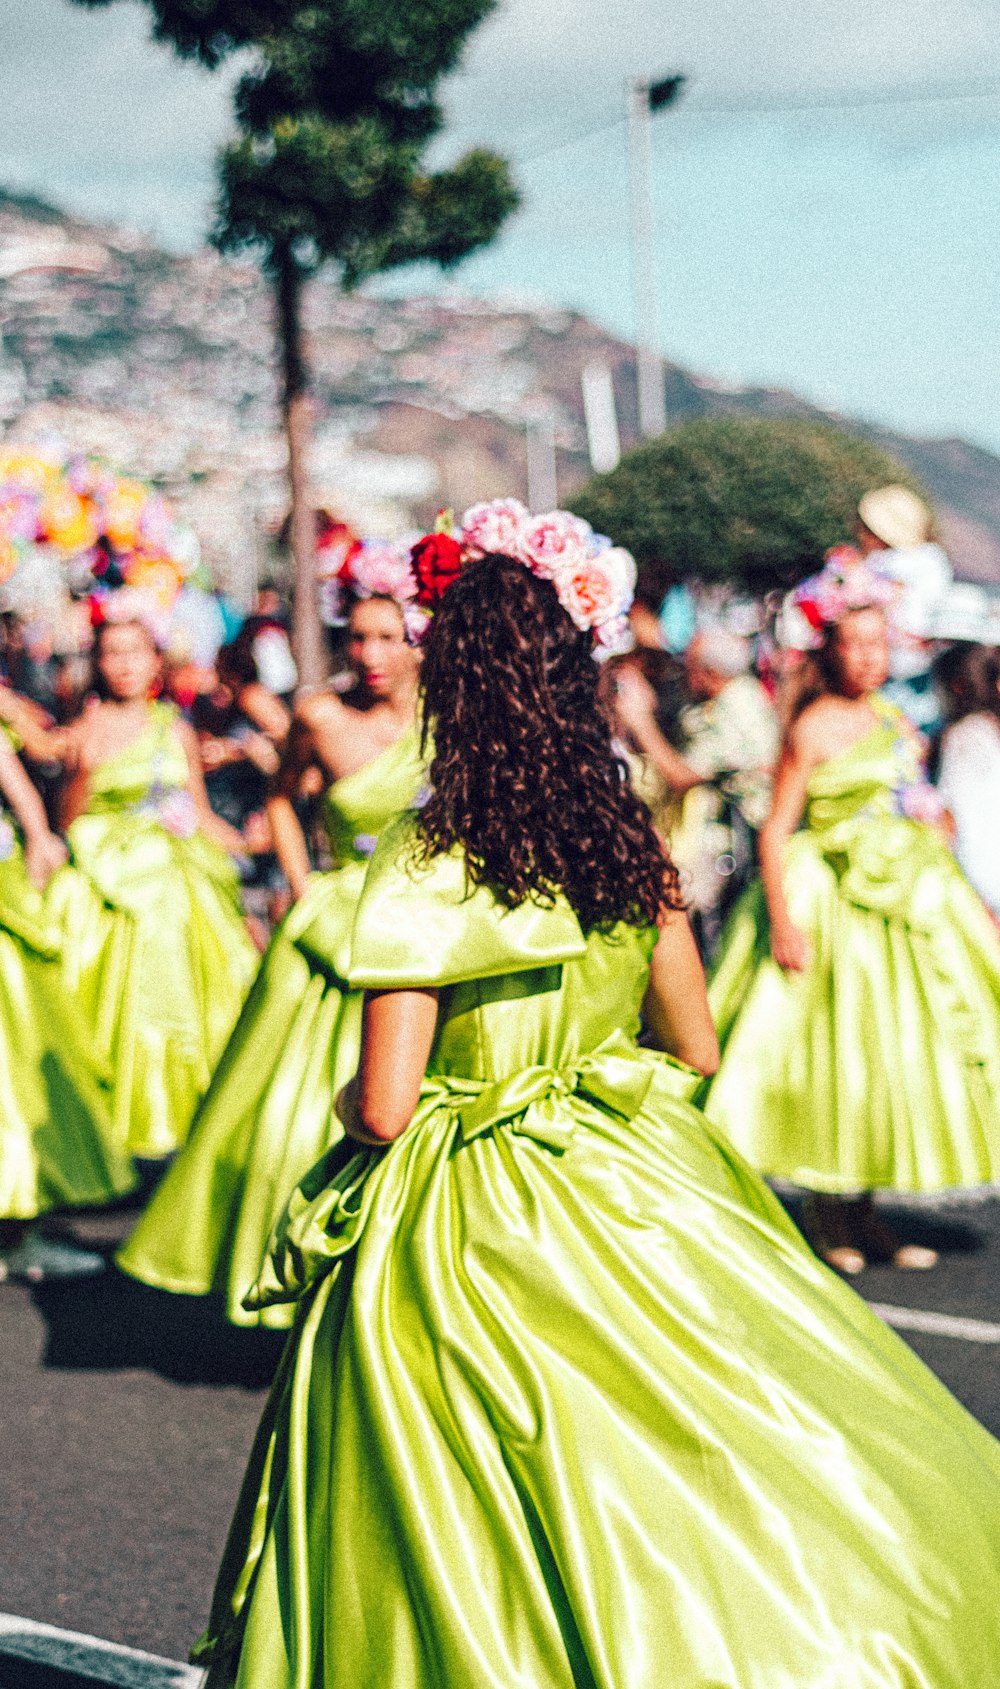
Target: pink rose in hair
(588,592)
(382,571)
(556,542)
(497,526)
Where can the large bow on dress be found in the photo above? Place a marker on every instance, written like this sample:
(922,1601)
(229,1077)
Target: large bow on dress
(328,1211)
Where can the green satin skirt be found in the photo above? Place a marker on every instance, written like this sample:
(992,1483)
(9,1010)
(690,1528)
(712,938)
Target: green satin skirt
(56,1142)
(879,1065)
(268,1114)
(157,955)
(577,1409)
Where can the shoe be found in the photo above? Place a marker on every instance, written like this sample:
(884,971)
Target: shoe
(882,1243)
(38,1258)
(844,1258)
(830,1230)
(915,1258)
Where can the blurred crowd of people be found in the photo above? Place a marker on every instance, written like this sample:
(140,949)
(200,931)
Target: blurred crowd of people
(701,725)
(697,709)
(239,705)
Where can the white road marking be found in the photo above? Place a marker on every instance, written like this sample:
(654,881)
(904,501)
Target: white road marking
(937,1325)
(76,1656)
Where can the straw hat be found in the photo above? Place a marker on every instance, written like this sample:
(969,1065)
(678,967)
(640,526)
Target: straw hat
(896,516)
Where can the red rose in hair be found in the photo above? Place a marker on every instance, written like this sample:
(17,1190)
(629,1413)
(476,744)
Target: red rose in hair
(437,561)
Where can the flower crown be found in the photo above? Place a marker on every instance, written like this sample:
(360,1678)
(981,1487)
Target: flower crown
(374,569)
(117,605)
(594,580)
(845,582)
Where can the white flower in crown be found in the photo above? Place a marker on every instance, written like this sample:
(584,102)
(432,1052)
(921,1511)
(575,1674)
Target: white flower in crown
(381,570)
(495,527)
(623,569)
(556,542)
(613,639)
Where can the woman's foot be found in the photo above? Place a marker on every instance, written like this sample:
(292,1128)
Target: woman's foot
(881,1242)
(832,1233)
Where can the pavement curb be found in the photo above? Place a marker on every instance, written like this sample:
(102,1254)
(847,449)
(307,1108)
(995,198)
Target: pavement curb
(41,1656)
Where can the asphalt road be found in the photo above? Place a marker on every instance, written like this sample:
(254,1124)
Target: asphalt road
(126,1417)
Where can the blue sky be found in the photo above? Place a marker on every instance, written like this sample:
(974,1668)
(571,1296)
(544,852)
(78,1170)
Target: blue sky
(849,250)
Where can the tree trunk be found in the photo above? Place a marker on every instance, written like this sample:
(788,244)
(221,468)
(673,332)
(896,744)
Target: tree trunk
(308,644)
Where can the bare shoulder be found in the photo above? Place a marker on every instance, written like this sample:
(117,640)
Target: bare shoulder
(319,710)
(819,730)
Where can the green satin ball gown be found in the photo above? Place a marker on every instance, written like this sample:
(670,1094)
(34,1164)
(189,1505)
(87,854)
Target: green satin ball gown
(879,1065)
(55,1126)
(268,1114)
(154,946)
(568,1403)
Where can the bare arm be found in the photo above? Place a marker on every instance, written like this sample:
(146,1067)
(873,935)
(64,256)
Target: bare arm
(789,946)
(43,742)
(289,839)
(635,707)
(676,1006)
(212,825)
(44,852)
(268,713)
(398,1031)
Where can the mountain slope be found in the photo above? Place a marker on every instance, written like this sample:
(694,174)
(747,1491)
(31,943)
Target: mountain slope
(167,364)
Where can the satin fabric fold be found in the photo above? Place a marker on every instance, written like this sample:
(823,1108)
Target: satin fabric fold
(153,943)
(56,1141)
(879,1064)
(569,1403)
(268,1114)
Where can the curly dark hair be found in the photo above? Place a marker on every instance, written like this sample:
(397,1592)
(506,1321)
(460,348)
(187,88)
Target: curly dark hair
(523,775)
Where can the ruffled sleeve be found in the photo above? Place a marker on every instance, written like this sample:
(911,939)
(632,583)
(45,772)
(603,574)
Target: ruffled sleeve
(424,926)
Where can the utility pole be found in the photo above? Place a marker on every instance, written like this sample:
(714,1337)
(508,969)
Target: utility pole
(645,98)
(543,484)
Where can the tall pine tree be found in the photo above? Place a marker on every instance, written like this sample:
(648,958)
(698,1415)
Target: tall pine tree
(335,118)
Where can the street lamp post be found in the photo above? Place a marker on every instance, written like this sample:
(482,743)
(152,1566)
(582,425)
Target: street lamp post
(645,98)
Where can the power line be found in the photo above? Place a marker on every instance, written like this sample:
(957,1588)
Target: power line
(863,99)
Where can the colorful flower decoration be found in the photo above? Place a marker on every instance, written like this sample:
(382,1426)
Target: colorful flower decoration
(845,582)
(129,604)
(372,569)
(594,580)
(68,520)
(90,520)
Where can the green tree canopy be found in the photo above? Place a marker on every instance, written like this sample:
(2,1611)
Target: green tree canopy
(336,111)
(748,501)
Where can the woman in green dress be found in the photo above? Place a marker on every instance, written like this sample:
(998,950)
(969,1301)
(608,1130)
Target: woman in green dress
(152,941)
(268,1114)
(55,1136)
(857,987)
(568,1401)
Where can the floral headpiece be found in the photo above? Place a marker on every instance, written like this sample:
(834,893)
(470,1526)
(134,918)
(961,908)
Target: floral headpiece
(376,569)
(845,582)
(594,580)
(129,604)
